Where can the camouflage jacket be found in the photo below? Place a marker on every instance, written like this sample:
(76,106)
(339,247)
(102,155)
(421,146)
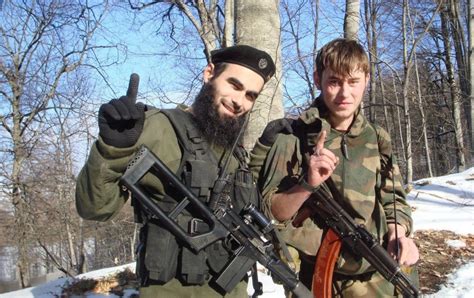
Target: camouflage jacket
(361,177)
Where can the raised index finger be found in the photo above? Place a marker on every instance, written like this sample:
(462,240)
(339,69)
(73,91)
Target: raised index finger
(320,141)
(133,86)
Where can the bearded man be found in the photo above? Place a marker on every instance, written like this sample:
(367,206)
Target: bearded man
(166,268)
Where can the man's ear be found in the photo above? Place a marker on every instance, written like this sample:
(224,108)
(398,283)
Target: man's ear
(208,72)
(317,80)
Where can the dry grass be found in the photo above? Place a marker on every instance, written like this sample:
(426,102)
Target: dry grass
(438,260)
(114,284)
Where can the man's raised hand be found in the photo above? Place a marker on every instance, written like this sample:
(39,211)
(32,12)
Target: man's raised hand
(121,120)
(321,163)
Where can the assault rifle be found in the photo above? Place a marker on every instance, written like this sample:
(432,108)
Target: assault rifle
(340,227)
(249,230)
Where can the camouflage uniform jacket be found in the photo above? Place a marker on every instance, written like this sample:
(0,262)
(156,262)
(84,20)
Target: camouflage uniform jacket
(361,177)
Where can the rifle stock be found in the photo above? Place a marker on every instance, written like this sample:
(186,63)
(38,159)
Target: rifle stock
(331,215)
(223,223)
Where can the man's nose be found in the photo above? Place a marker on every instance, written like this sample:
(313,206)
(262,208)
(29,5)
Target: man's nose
(237,101)
(345,89)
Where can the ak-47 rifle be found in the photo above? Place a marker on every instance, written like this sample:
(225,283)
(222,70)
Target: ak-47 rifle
(340,227)
(249,230)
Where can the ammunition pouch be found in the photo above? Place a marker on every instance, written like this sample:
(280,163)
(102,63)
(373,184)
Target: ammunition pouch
(245,190)
(157,256)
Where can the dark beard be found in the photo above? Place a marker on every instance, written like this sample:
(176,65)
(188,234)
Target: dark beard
(222,132)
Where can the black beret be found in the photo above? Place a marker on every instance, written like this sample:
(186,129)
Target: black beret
(247,56)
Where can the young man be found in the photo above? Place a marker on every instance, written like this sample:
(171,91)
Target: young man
(334,139)
(232,82)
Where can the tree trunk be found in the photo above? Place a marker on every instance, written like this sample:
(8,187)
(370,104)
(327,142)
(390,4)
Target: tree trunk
(399,128)
(82,265)
(461,57)
(18,196)
(455,98)
(351,19)
(229,25)
(385,104)
(72,253)
(406,101)
(370,18)
(423,122)
(258,24)
(471,76)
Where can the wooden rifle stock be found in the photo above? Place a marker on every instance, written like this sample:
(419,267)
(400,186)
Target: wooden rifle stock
(325,263)
(341,228)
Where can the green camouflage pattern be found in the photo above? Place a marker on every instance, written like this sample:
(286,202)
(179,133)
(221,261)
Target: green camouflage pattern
(358,177)
(376,287)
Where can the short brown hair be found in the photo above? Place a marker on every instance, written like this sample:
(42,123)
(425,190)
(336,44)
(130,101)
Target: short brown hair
(342,56)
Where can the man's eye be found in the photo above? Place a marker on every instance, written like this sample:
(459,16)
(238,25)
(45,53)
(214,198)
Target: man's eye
(235,87)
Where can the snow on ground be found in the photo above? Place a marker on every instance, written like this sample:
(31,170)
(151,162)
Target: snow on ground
(459,283)
(441,203)
(444,203)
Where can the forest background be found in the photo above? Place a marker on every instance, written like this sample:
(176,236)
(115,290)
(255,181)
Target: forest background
(60,60)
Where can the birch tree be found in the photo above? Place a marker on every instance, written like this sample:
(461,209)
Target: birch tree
(258,24)
(351,19)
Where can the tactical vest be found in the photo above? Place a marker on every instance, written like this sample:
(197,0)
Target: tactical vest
(160,256)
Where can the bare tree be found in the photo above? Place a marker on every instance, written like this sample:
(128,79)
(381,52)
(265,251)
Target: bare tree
(455,98)
(299,40)
(420,105)
(43,44)
(408,54)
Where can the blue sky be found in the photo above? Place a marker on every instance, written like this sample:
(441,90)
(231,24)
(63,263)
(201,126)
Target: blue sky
(151,57)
